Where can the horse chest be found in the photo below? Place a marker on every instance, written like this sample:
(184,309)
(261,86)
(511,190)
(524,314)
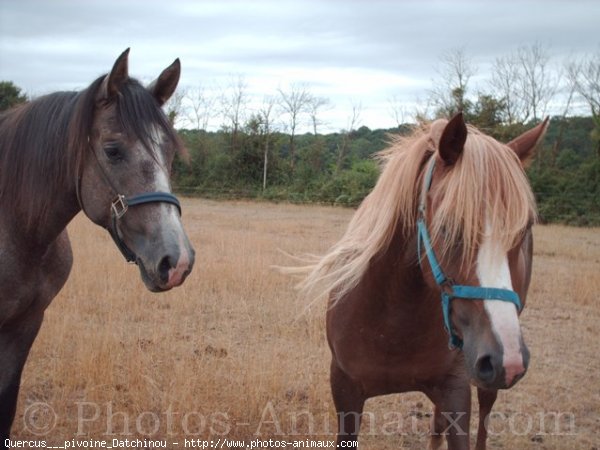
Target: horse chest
(29,282)
(387,353)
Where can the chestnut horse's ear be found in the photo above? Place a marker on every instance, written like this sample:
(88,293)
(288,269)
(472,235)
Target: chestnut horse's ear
(119,74)
(163,87)
(453,139)
(524,145)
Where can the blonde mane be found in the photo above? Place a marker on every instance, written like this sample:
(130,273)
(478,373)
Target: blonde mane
(486,183)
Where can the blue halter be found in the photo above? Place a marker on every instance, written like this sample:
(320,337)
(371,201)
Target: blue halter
(450,291)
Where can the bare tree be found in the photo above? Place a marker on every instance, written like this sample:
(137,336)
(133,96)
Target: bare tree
(315,106)
(397,110)
(422,110)
(536,81)
(266,113)
(174,106)
(449,94)
(563,123)
(346,135)
(584,77)
(233,103)
(505,82)
(294,103)
(201,107)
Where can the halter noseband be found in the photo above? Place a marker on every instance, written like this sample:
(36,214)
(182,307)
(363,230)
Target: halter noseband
(450,290)
(120,205)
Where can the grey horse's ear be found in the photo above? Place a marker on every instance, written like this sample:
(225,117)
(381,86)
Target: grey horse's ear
(163,87)
(525,144)
(111,85)
(453,139)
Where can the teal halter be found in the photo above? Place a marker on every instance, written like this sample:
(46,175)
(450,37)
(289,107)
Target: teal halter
(449,289)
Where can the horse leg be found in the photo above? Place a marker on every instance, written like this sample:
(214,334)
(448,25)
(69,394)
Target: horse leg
(15,342)
(451,416)
(439,424)
(18,333)
(486,401)
(349,401)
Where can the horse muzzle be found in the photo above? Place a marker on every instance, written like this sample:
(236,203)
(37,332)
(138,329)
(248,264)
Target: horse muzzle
(169,271)
(165,257)
(493,368)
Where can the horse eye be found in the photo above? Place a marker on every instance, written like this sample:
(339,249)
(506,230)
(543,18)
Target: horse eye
(114,152)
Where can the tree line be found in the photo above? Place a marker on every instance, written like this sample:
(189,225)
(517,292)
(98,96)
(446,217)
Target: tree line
(566,181)
(254,155)
(258,152)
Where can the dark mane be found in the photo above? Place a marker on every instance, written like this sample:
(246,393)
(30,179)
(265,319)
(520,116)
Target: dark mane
(35,154)
(44,144)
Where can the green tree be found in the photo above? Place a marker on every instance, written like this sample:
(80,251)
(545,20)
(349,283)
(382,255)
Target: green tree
(488,112)
(10,95)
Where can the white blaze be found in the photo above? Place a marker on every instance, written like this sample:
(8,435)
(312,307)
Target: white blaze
(161,175)
(170,213)
(493,271)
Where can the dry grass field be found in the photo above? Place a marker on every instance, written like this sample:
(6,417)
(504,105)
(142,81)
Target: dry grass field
(235,354)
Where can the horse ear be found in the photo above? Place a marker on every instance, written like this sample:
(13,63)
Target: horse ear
(119,74)
(163,87)
(453,139)
(524,145)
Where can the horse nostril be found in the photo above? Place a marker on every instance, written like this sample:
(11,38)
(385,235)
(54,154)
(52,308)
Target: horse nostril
(485,368)
(164,266)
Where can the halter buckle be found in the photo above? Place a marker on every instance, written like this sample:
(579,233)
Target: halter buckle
(447,287)
(119,206)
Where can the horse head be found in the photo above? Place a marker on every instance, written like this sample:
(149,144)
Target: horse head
(476,211)
(124,175)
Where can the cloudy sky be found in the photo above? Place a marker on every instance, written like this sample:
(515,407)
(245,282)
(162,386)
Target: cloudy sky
(351,51)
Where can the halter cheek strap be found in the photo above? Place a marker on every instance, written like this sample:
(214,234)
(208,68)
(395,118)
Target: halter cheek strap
(450,290)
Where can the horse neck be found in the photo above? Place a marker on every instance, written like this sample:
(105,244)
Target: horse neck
(39,204)
(394,300)
(64,209)
(38,235)
(397,274)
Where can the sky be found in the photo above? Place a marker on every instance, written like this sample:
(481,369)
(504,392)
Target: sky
(352,52)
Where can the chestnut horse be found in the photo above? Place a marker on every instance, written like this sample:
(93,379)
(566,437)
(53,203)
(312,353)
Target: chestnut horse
(441,246)
(106,150)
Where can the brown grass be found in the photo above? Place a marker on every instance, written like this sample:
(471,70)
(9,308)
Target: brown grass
(234,354)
